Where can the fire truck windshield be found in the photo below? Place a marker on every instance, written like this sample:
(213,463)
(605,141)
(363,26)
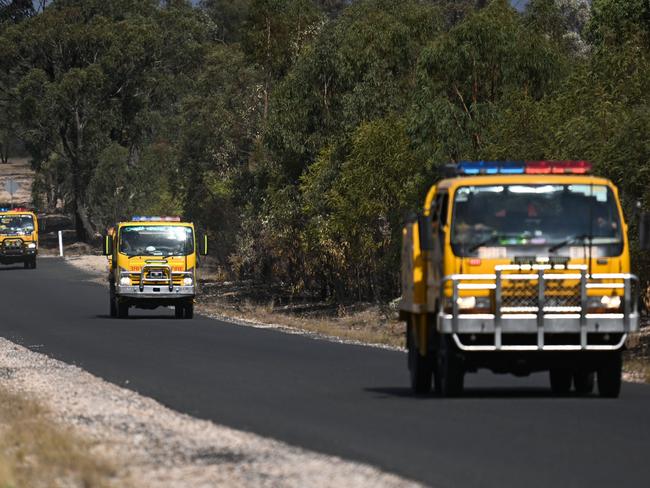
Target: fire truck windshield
(156,240)
(505,220)
(16,225)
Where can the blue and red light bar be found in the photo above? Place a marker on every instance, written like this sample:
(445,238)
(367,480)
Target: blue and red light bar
(490,167)
(14,209)
(141,218)
(558,167)
(468,168)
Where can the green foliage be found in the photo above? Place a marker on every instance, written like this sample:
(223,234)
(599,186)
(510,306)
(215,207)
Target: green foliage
(469,75)
(613,21)
(300,132)
(356,210)
(89,74)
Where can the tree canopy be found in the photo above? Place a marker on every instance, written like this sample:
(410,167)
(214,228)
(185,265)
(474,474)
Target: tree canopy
(300,133)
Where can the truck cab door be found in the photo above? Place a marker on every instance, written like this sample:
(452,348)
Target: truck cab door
(435,271)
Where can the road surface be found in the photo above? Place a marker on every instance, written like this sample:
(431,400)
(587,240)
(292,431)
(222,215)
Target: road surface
(345,400)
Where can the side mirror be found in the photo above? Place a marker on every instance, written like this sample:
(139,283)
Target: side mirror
(108,245)
(644,231)
(425,229)
(203,245)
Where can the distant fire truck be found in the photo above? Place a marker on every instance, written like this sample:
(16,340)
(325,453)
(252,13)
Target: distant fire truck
(18,237)
(153,263)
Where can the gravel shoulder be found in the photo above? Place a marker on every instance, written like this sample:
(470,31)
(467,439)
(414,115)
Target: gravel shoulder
(150,445)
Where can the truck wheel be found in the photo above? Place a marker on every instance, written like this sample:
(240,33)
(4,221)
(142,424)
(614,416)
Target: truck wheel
(560,381)
(583,381)
(449,374)
(178,311)
(33,263)
(122,310)
(113,304)
(420,368)
(189,310)
(609,376)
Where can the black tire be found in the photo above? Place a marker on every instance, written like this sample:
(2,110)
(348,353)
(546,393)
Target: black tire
(609,376)
(113,304)
(449,373)
(26,264)
(122,310)
(33,263)
(583,382)
(179,311)
(560,381)
(420,367)
(189,310)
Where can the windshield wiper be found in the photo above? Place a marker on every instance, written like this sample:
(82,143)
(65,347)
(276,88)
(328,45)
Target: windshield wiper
(570,240)
(489,240)
(172,255)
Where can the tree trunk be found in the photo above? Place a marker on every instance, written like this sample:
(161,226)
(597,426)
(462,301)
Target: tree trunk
(83,222)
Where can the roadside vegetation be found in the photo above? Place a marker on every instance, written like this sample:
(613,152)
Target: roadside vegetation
(300,133)
(36,452)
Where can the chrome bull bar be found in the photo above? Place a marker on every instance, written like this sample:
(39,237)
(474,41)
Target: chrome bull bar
(541,315)
(167,270)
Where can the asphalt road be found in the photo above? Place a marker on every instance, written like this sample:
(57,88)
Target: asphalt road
(345,400)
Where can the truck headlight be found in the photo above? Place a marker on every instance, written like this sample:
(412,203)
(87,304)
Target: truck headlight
(604,303)
(188,281)
(465,303)
(31,245)
(125,281)
(476,304)
(611,302)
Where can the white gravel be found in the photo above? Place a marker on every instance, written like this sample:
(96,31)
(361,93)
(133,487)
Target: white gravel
(154,446)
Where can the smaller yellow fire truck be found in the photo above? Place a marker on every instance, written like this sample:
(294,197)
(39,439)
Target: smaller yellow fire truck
(152,263)
(18,237)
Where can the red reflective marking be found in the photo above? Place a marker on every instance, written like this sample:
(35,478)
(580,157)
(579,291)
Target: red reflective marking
(475,262)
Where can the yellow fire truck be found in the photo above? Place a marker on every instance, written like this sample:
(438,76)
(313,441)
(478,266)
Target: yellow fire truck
(18,237)
(518,267)
(152,263)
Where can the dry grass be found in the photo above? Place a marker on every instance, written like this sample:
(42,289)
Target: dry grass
(35,452)
(637,357)
(637,370)
(366,323)
(369,326)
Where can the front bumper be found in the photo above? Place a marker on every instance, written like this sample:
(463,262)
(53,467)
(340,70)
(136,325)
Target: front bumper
(155,291)
(16,254)
(571,328)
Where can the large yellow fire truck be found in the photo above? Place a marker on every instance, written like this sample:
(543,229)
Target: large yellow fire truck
(18,237)
(152,263)
(518,267)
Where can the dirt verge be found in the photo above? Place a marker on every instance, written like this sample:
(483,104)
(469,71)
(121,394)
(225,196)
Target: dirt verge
(147,444)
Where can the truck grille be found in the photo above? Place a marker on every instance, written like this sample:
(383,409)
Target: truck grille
(156,280)
(12,246)
(522,296)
